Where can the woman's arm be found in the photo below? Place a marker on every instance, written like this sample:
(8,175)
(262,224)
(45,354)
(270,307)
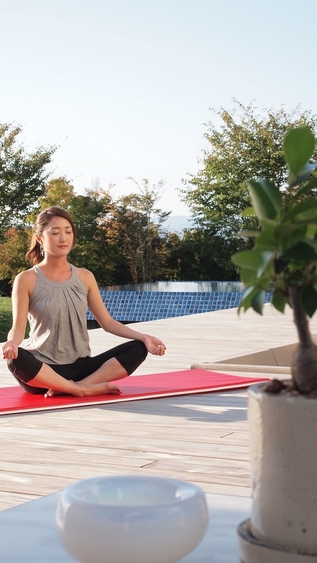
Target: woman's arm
(153,345)
(20,307)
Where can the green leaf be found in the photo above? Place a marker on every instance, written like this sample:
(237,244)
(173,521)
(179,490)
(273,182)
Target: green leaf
(302,251)
(268,223)
(285,230)
(311,232)
(278,301)
(298,147)
(248,277)
(258,301)
(302,211)
(266,238)
(258,262)
(247,297)
(298,236)
(289,236)
(247,259)
(254,298)
(266,199)
(266,262)
(309,300)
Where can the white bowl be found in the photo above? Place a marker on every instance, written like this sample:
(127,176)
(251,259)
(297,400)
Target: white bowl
(131,519)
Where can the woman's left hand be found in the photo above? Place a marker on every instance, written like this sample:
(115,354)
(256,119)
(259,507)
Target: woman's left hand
(155,346)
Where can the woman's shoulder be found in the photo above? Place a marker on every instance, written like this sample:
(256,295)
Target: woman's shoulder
(86,276)
(27,279)
(26,275)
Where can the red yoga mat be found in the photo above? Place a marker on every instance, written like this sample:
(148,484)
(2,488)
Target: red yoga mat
(15,400)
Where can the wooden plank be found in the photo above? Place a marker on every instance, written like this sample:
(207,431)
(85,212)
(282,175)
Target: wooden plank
(200,438)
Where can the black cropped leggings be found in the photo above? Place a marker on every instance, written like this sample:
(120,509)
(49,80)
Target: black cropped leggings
(25,367)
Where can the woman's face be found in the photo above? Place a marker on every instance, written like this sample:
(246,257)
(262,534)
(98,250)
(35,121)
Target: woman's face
(57,237)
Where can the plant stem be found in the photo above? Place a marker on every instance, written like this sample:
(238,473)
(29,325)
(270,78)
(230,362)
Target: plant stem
(300,318)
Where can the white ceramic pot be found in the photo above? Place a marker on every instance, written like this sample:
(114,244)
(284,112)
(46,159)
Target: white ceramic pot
(131,519)
(283,439)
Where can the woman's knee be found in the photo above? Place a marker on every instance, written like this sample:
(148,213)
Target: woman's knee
(25,367)
(132,354)
(141,350)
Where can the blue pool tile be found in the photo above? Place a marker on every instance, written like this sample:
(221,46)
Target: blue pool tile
(132,306)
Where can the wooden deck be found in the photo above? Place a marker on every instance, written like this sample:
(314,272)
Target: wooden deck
(200,438)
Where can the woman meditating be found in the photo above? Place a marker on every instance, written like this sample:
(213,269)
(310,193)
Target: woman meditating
(53,295)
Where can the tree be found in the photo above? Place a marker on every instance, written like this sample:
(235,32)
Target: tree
(197,256)
(134,226)
(246,145)
(93,249)
(88,211)
(22,177)
(12,256)
(58,191)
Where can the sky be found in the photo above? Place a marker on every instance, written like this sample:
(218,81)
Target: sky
(124,88)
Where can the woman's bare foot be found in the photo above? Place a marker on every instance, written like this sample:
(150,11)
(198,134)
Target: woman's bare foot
(82,389)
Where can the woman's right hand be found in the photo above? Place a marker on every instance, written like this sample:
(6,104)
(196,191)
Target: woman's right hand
(10,350)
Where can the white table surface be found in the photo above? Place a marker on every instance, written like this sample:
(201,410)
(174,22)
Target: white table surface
(28,532)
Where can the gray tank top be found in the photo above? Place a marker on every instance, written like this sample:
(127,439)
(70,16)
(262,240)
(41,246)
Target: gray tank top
(57,317)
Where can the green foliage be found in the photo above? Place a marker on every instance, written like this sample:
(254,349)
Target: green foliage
(5,317)
(120,241)
(89,212)
(245,145)
(12,252)
(22,177)
(199,255)
(284,256)
(93,250)
(298,149)
(58,191)
(134,229)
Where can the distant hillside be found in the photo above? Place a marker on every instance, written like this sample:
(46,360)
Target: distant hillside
(177,223)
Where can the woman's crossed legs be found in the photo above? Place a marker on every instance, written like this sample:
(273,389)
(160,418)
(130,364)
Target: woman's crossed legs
(85,377)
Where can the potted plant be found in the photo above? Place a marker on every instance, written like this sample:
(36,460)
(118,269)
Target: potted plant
(283,415)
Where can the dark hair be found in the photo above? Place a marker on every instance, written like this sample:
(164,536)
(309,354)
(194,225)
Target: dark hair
(34,254)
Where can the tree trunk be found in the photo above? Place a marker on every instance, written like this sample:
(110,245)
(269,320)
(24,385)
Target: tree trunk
(304,361)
